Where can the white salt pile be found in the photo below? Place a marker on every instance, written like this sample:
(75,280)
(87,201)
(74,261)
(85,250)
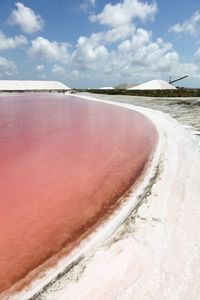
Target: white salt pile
(107,88)
(154,85)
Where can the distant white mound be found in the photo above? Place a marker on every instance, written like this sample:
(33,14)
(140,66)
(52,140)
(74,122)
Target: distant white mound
(154,85)
(107,88)
(125,86)
(32,85)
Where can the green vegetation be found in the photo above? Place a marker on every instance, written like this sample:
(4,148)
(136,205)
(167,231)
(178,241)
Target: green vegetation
(181,92)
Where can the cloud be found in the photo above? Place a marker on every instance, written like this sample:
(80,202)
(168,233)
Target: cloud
(93,50)
(26,18)
(13,42)
(102,38)
(7,67)
(142,56)
(190,26)
(138,57)
(139,39)
(119,52)
(125,13)
(58,70)
(197,56)
(116,34)
(89,52)
(123,52)
(43,76)
(50,51)
(75,74)
(40,68)
(87,5)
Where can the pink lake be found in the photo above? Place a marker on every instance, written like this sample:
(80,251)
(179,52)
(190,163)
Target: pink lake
(64,163)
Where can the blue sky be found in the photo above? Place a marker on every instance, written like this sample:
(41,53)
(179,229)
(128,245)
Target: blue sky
(93,43)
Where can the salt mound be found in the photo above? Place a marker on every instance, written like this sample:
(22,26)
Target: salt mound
(154,85)
(31,85)
(107,88)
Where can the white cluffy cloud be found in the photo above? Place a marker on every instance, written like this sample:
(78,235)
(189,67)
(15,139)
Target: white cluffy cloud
(7,67)
(190,26)
(125,13)
(51,51)
(26,18)
(93,52)
(87,5)
(197,56)
(40,68)
(125,51)
(90,52)
(120,52)
(58,70)
(150,58)
(137,57)
(12,42)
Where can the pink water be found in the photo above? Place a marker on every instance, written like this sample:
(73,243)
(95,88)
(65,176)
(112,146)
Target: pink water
(64,162)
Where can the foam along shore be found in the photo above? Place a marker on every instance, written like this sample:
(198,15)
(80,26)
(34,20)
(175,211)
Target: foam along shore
(156,251)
